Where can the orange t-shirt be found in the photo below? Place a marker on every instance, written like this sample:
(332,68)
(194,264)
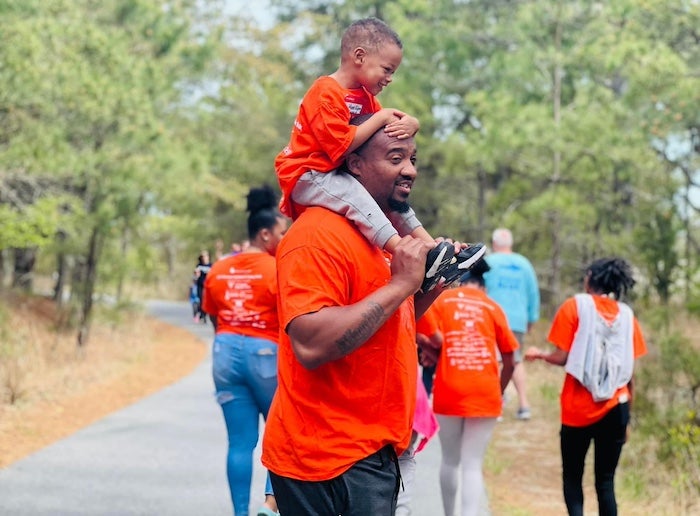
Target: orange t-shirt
(241,292)
(428,323)
(322,421)
(321,134)
(577,406)
(467,378)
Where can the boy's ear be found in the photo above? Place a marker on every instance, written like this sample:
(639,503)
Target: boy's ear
(358,55)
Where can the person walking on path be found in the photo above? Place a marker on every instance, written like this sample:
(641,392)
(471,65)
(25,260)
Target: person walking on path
(240,295)
(200,276)
(308,167)
(425,425)
(468,387)
(348,365)
(512,283)
(195,300)
(597,339)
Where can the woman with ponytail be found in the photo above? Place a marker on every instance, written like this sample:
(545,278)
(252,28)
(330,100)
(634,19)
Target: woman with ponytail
(596,339)
(240,295)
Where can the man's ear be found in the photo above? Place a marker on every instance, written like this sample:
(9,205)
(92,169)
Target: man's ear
(353,164)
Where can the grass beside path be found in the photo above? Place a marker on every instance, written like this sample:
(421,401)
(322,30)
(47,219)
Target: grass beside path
(523,463)
(49,389)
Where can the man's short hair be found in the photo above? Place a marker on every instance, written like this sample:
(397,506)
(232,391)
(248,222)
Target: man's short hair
(502,237)
(371,33)
(361,119)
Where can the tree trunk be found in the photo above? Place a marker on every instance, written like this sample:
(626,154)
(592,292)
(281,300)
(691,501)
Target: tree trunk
(555,263)
(89,287)
(481,203)
(124,247)
(61,268)
(24,260)
(170,253)
(688,256)
(555,278)
(2,269)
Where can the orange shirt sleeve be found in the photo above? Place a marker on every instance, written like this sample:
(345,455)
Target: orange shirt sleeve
(310,283)
(564,325)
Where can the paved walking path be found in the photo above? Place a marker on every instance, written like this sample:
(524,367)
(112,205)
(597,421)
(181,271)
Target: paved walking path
(164,455)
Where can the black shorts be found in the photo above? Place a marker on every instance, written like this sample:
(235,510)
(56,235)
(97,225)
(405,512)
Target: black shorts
(370,487)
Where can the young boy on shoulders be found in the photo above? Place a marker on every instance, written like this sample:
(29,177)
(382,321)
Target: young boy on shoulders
(321,138)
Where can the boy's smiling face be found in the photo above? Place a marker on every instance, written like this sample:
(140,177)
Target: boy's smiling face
(376,68)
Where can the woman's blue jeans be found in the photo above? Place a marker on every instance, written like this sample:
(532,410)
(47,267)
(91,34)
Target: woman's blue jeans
(245,377)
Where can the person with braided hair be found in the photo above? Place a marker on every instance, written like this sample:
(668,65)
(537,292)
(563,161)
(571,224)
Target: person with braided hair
(597,339)
(240,295)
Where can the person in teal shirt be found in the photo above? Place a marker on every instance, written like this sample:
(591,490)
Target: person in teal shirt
(512,283)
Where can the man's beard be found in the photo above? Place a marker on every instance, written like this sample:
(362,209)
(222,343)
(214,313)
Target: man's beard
(398,206)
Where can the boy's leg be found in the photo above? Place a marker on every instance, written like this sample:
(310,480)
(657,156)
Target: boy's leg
(343,194)
(406,222)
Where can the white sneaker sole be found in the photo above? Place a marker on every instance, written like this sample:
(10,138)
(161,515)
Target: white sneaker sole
(472,259)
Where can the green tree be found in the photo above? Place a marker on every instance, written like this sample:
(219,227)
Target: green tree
(99,86)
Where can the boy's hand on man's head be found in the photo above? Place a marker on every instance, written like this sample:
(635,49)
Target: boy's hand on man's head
(388,116)
(405,126)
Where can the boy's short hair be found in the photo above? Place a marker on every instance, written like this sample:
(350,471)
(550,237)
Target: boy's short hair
(368,32)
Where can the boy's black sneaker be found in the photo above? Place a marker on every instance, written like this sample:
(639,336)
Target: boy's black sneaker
(440,259)
(466,258)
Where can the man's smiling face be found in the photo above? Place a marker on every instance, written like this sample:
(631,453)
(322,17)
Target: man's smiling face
(386,167)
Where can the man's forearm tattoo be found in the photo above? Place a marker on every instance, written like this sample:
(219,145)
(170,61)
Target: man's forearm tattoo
(368,325)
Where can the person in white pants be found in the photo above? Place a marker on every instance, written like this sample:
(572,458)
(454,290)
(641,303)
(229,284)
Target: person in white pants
(468,389)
